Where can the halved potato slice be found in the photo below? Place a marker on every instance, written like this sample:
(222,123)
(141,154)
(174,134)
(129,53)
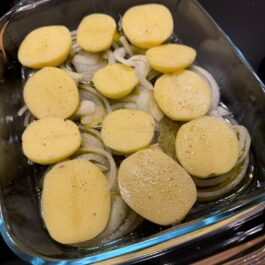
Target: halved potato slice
(96,32)
(51,92)
(45,46)
(115,81)
(169,58)
(147,25)
(75,201)
(182,96)
(50,140)
(156,187)
(126,130)
(207,146)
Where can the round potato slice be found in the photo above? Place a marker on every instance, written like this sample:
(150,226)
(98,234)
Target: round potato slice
(126,131)
(147,25)
(96,32)
(169,58)
(75,201)
(182,96)
(115,81)
(50,140)
(207,146)
(51,92)
(45,46)
(156,187)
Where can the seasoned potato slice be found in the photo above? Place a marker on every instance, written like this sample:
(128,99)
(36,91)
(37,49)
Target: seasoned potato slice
(50,140)
(169,58)
(96,32)
(182,96)
(51,92)
(147,25)
(156,187)
(127,131)
(45,46)
(115,81)
(207,146)
(75,201)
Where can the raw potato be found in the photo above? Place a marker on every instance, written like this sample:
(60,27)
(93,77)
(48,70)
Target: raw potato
(207,147)
(169,58)
(50,140)
(96,32)
(75,201)
(115,81)
(51,92)
(126,130)
(156,187)
(147,25)
(182,96)
(45,46)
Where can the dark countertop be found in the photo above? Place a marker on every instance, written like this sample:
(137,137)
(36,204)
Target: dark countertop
(244,23)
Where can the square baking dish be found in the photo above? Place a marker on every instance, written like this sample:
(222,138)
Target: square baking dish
(241,91)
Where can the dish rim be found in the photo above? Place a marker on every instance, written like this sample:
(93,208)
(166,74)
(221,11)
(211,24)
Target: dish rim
(166,239)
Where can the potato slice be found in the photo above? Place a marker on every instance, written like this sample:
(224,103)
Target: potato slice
(169,58)
(182,96)
(50,140)
(96,32)
(207,146)
(147,25)
(51,92)
(45,46)
(156,187)
(115,81)
(126,130)
(75,201)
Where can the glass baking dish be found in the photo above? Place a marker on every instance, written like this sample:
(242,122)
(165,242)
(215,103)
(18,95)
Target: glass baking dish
(241,90)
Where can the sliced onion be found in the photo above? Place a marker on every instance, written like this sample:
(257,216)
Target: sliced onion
(119,211)
(76,76)
(91,131)
(87,64)
(155,110)
(131,98)
(146,102)
(93,119)
(99,160)
(112,174)
(142,79)
(85,107)
(89,140)
(95,92)
(126,45)
(140,63)
(110,57)
(210,182)
(119,55)
(143,100)
(123,105)
(219,191)
(22,111)
(213,84)
(244,141)
(120,24)
(73,34)
(223,111)
(130,224)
